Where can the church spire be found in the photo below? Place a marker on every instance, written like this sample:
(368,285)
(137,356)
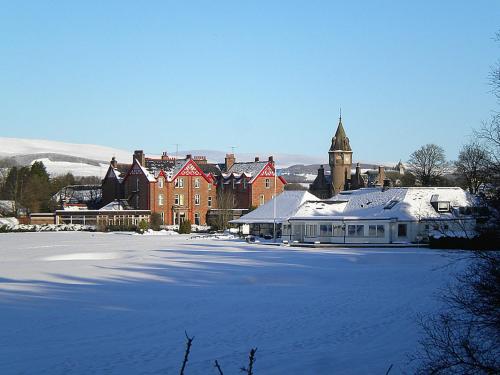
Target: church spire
(340,140)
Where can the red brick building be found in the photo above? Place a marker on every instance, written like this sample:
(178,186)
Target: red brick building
(251,183)
(187,189)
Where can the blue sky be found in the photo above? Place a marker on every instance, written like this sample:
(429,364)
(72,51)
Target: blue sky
(263,76)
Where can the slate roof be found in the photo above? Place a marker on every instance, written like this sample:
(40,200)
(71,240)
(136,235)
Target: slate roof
(251,169)
(210,168)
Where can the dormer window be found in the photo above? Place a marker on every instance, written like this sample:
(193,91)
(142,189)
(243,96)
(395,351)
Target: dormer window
(443,206)
(440,205)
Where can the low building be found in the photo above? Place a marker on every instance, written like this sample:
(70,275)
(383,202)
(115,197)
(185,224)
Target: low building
(117,213)
(375,216)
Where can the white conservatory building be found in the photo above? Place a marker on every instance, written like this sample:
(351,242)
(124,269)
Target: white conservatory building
(378,216)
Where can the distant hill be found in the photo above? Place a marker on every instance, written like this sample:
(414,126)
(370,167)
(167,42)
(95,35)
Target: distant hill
(93,160)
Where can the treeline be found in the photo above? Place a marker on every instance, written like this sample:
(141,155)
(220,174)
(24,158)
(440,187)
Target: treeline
(31,187)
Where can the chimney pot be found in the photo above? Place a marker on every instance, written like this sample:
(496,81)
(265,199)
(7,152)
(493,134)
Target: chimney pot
(257,158)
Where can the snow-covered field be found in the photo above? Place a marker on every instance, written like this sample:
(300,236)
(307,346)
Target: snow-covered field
(88,303)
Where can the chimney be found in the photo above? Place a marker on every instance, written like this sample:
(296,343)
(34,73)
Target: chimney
(140,157)
(200,159)
(381,175)
(189,156)
(321,171)
(271,160)
(257,159)
(113,163)
(230,160)
(164,155)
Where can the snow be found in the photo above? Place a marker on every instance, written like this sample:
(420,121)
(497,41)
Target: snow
(57,168)
(410,203)
(21,146)
(287,203)
(86,303)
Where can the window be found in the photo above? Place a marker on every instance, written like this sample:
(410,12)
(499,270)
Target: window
(160,182)
(160,200)
(209,186)
(197,199)
(262,200)
(179,182)
(244,183)
(197,183)
(209,201)
(311,230)
(197,220)
(268,183)
(234,183)
(338,230)
(376,230)
(162,214)
(179,199)
(355,230)
(443,206)
(325,230)
(402,229)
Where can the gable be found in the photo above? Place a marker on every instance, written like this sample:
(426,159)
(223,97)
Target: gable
(267,171)
(191,169)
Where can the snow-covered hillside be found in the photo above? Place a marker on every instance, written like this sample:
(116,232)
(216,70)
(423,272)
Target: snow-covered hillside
(94,303)
(21,146)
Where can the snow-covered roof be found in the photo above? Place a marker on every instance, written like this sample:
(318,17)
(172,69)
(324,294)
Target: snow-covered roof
(116,205)
(250,169)
(287,203)
(398,203)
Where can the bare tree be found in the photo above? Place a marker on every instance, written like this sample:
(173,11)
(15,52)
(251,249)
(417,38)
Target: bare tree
(465,337)
(225,206)
(472,165)
(428,164)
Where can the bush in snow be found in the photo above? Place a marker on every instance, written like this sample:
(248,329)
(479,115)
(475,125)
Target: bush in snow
(185,227)
(156,221)
(143,226)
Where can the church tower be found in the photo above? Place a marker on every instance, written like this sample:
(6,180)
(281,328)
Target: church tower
(340,156)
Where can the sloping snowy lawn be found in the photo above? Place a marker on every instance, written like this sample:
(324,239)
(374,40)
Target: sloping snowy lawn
(86,303)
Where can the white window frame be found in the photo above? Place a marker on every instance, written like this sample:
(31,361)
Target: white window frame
(262,200)
(197,199)
(268,183)
(176,199)
(181,199)
(160,182)
(160,199)
(196,183)
(209,186)
(311,230)
(197,214)
(179,182)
